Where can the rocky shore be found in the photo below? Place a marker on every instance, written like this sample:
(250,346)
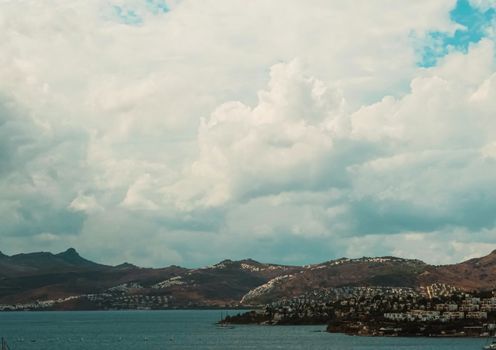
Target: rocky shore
(262,318)
(372,327)
(408,329)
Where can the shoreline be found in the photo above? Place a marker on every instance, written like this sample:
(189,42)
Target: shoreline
(137,310)
(371,327)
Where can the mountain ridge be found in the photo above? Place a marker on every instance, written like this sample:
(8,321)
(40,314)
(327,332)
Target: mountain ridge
(38,276)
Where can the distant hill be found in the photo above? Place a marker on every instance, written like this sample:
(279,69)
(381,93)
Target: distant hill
(473,274)
(44,276)
(384,271)
(25,278)
(43,262)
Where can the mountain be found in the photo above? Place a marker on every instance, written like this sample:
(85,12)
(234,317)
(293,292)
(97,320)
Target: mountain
(223,283)
(473,274)
(45,263)
(384,271)
(44,276)
(72,257)
(25,278)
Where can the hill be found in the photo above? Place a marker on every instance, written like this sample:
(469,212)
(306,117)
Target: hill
(60,278)
(473,274)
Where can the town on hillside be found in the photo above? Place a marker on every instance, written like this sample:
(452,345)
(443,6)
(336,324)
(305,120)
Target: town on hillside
(434,310)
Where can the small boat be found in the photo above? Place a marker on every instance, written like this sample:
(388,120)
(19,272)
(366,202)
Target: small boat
(490,346)
(490,335)
(4,345)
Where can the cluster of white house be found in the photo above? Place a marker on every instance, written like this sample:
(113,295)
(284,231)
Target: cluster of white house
(137,301)
(430,315)
(438,290)
(113,301)
(469,308)
(36,305)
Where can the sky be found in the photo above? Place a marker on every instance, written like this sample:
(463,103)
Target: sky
(185,132)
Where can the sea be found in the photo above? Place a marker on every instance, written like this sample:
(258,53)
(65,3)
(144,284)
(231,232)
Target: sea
(187,329)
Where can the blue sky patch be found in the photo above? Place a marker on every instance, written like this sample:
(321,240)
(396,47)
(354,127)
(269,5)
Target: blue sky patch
(134,15)
(157,6)
(475,22)
(127,16)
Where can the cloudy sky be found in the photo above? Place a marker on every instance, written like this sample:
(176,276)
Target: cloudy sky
(187,131)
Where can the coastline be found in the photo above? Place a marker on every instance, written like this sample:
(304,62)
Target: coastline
(206,308)
(369,328)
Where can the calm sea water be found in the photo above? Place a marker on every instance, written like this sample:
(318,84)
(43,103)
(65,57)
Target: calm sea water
(126,330)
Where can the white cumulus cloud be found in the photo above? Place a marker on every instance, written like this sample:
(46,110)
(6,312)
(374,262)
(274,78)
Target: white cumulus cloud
(276,129)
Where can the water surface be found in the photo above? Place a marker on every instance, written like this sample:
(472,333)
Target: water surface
(187,329)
